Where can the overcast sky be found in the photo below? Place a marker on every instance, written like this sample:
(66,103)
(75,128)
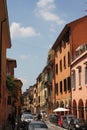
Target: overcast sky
(34,27)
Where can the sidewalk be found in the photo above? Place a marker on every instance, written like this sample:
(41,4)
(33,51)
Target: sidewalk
(53,126)
(6,126)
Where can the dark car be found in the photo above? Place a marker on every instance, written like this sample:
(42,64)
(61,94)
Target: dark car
(23,126)
(53,118)
(77,124)
(66,120)
(37,124)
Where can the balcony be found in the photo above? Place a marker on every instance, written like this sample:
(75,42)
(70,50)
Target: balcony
(50,56)
(79,51)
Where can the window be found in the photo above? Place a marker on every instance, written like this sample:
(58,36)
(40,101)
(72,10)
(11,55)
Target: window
(68,58)
(56,88)
(56,68)
(64,62)
(73,79)
(79,75)
(65,85)
(61,87)
(86,74)
(60,65)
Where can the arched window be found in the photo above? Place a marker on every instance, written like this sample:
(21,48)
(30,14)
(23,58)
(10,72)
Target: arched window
(81,109)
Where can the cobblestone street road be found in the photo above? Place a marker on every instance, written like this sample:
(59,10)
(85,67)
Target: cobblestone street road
(53,127)
(49,124)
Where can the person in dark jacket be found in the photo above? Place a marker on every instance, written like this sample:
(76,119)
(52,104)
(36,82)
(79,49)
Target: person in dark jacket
(9,118)
(13,121)
(39,116)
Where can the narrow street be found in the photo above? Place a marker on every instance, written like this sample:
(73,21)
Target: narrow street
(53,126)
(49,124)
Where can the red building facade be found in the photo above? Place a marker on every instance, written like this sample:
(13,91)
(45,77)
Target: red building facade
(4,44)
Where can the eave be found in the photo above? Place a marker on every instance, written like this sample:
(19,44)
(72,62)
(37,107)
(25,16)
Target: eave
(66,28)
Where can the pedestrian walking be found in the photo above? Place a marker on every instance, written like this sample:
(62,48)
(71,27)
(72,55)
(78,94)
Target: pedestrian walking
(9,121)
(39,116)
(13,121)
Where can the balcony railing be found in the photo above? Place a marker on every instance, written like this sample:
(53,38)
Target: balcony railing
(80,51)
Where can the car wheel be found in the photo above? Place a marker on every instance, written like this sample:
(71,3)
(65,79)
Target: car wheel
(69,128)
(74,129)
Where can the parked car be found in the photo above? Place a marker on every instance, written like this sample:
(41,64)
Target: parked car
(66,120)
(37,125)
(35,116)
(23,126)
(53,118)
(26,117)
(77,124)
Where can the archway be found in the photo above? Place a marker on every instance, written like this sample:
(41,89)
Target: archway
(61,104)
(57,104)
(74,108)
(81,109)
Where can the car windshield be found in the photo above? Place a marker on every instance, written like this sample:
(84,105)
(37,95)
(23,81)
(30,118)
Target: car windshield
(37,125)
(28,117)
(69,118)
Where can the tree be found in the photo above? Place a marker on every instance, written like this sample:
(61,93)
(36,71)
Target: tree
(11,86)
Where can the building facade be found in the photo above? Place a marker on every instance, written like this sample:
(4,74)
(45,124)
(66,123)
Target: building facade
(54,82)
(4,44)
(73,35)
(79,82)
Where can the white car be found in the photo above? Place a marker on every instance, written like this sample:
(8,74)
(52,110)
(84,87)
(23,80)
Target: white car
(26,117)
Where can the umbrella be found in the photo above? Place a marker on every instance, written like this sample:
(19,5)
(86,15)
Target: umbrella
(60,109)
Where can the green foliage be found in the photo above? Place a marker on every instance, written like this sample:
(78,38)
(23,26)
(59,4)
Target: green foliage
(11,86)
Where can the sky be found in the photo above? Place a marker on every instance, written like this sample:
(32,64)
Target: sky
(34,27)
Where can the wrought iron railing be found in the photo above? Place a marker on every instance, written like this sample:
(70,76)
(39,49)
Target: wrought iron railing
(80,51)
